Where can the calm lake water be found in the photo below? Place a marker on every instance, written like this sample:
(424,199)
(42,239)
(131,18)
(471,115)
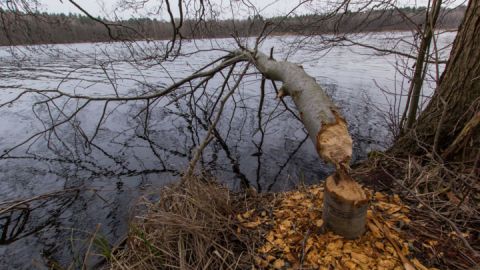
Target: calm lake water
(127,159)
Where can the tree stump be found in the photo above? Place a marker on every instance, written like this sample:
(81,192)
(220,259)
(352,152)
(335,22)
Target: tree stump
(344,206)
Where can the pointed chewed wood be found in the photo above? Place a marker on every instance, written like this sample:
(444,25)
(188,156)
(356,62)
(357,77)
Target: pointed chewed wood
(334,144)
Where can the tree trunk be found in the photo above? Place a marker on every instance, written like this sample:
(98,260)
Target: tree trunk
(455,103)
(420,64)
(344,209)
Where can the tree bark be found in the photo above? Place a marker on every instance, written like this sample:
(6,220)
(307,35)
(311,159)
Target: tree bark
(344,211)
(457,98)
(323,121)
(421,63)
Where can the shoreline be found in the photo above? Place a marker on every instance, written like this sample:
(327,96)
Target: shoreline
(214,38)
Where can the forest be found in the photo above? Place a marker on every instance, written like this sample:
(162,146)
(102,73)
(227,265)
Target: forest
(41,28)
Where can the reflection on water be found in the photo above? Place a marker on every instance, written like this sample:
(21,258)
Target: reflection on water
(130,156)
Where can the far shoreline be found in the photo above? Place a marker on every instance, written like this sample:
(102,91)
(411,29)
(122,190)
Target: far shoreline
(216,37)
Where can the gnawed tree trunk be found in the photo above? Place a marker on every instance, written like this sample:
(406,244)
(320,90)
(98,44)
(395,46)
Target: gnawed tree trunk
(449,126)
(345,209)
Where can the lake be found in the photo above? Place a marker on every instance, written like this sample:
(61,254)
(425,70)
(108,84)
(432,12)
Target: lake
(128,159)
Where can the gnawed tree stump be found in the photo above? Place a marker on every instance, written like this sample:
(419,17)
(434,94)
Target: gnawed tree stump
(344,206)
(345,201)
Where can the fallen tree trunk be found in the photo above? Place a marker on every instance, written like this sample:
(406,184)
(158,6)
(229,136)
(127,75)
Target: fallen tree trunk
(345,210)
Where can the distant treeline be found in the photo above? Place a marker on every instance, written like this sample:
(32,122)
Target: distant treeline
(40,28)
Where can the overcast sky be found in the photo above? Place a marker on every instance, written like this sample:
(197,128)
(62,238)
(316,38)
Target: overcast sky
(228,9)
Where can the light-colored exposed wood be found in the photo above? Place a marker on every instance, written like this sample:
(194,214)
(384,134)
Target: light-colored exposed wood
(346,189)
(345,207)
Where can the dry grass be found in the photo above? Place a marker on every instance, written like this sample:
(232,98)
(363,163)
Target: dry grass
(445,203)
(192,226)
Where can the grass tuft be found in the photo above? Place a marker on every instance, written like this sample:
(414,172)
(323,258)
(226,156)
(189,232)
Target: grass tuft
(193,226)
